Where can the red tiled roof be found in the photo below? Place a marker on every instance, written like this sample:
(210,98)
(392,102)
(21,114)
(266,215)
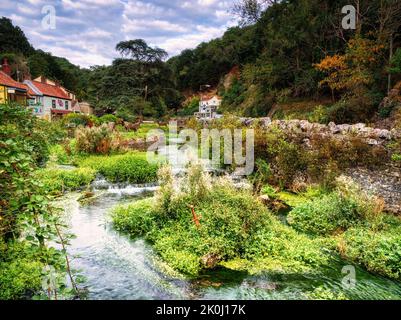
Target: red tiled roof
(6,80)
(50,90)
(61,111)
(30,91)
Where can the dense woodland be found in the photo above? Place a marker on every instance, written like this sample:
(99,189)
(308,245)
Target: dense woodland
(298,49)
(291,51)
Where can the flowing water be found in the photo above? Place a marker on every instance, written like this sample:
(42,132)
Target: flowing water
(116,267)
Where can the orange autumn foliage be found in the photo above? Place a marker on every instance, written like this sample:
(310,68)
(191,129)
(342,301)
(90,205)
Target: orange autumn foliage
(351,70)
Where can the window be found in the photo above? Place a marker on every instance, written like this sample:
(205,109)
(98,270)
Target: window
(66,105)
(54,104)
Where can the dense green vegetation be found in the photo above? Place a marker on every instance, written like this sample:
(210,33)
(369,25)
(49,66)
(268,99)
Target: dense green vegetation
(294,55)
(27,220)
(346,207)
(238,232)
(293,50)
(233,228)
(294,59)
(130,167)
(58,181)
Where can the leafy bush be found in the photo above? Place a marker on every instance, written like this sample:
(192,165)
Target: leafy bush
(93,140)
(20,272)
(76,119)
(23,146)
(25,212)
(338,211)
(107,118)
(378,252)
(319,115)
(323,216)
(58,154)
(131,167)
(396,157)
(232,225)
(55,132)
(57,181)
(269,191)
(136,219)
(287,157)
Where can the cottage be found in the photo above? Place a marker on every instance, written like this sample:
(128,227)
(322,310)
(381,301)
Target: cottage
(208,107)
(11,90)
(48,99)
(82,108)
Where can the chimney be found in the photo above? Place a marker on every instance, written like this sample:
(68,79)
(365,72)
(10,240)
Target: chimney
(43,79)
(6,67)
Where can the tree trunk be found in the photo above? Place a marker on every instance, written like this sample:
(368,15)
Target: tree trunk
(391,56)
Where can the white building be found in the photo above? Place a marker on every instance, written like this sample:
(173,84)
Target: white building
(208,108)
(48,99)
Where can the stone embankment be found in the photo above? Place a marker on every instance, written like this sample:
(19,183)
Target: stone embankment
(373,136)
(384,180)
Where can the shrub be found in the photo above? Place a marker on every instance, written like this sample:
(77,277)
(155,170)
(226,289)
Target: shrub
(323,216)
(107,118)
(338,211)
(396,157)
(131,167)
(93,120)
(93,140)
(58,154)
(55,132)
(279,248)
(378,252)
(269,191)
(57,181)
(232,225)
(319,115)
(136,219)
(20,272)
(76,119)
(286,157)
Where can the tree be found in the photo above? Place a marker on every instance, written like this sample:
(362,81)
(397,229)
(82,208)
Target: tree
(13,39)
(249,11)
(140,51)
(395,63)
(353,70)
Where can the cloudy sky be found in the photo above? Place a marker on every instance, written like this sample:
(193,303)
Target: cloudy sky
(87,31)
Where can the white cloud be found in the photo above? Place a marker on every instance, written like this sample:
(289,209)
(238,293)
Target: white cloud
(88,30)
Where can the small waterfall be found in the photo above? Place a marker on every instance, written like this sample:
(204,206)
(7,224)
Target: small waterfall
(101,184)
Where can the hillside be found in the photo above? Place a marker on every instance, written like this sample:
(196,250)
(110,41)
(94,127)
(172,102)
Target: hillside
(26,61)
(296,60)
(290,53)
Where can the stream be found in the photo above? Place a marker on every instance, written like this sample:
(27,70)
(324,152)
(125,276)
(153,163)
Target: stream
(116,267)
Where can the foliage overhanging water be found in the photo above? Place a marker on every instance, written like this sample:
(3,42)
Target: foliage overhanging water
(116,267)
